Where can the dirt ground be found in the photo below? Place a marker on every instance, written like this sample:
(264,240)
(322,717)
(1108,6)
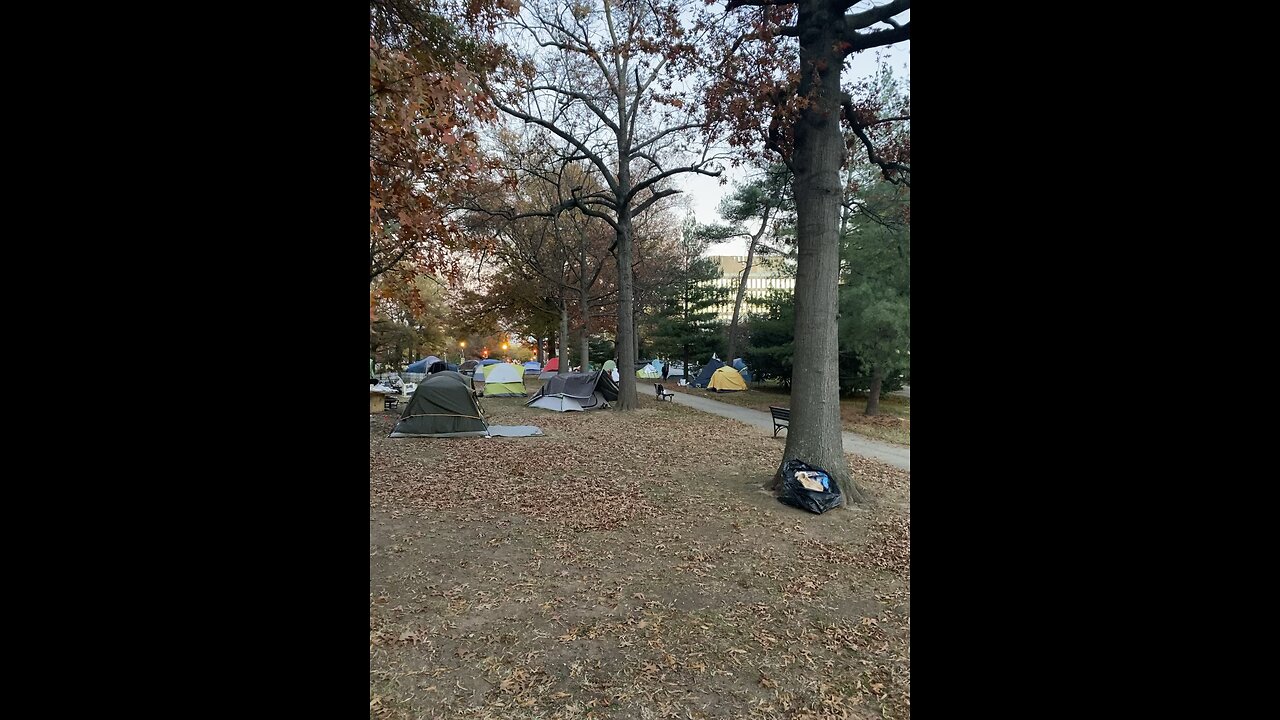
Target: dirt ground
(628,566)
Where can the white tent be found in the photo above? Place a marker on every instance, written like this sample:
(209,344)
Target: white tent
(503,373)
(559,403)
(503,380)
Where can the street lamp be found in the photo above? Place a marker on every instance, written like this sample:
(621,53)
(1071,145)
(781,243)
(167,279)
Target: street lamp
(462,356)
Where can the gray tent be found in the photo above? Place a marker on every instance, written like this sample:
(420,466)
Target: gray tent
(456,375)
(442,406)
(590,391)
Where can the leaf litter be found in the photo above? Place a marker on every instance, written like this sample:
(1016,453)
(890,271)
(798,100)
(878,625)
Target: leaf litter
(627,565)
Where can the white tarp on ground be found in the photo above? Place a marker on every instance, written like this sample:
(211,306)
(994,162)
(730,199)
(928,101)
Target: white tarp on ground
(514,430)
(559,403)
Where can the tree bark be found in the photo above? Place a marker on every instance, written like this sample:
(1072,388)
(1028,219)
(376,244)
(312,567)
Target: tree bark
(627,399)
(815,433)
(737,304)
(563,348)
(873,397)
(542,352)
(584,309)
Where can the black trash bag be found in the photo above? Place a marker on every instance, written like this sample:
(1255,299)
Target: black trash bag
(797,495)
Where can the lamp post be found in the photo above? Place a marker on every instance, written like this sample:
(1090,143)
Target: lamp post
(462,354)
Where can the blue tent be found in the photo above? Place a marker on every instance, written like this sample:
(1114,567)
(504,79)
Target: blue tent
(739,365)
(746,375)
(452,366)
(490,361)
(657,364)
(704,377)
(422,365)
(533,365)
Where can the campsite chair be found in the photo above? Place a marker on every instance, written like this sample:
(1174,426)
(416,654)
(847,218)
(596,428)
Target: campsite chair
(663,393)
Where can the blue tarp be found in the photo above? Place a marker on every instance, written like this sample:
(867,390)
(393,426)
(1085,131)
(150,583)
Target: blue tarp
(746,375)
(422,365)
(738,364)
(490,361)
(657,364)
(533,365)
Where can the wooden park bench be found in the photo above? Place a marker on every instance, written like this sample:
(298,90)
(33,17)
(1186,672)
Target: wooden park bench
(781,418)
(663,393)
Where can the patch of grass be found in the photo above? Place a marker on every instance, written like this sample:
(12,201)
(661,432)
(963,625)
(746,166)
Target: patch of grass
(893,424)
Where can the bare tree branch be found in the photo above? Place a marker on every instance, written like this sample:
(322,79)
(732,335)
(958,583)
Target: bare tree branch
(662,134)
(888,168)
(878,13)
(668,173)
(593,157)
(757,3)
(878,38)
(653,199)
(585,99)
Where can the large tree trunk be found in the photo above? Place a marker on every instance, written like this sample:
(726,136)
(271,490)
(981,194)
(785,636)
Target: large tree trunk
(873,397)
(627,399)
(542,352)
(563,347)
(737,304)
(585,311)
(815,433)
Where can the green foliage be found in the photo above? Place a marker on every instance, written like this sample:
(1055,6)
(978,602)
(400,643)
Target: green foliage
(875,298)
(600,350)
(772,340)
(684,324)
(875,301)
(767,198)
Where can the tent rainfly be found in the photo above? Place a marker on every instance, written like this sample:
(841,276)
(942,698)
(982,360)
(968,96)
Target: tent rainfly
(588,391)
(504,380)
(442,406)
(726,379)
(704,377)
(422,365)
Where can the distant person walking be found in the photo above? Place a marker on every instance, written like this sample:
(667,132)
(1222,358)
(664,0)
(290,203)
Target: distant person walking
(666,370)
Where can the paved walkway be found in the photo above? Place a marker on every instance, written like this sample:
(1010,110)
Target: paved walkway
(895,455)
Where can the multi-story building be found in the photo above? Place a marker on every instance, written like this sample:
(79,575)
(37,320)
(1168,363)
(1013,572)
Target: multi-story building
(768,273)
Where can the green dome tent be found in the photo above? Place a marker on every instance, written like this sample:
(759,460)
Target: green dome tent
(442,406)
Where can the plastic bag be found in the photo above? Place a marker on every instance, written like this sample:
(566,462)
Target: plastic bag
(797,495)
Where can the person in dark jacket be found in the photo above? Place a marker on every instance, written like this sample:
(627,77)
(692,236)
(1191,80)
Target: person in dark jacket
(666,370)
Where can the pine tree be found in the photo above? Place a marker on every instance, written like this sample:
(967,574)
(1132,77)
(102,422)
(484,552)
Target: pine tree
(685,323)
